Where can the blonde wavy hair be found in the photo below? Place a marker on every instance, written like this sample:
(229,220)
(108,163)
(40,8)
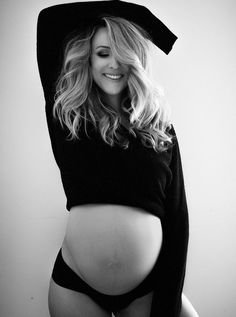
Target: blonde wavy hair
(78,97)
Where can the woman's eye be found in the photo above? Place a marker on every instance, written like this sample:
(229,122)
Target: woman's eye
(102,54)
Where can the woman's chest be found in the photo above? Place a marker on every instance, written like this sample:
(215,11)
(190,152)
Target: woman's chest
(137,166)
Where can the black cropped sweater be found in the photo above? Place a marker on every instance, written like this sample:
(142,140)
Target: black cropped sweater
(94,172)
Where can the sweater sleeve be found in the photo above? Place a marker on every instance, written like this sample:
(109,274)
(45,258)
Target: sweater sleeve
(172,261)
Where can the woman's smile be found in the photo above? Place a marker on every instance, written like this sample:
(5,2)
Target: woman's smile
(113,76)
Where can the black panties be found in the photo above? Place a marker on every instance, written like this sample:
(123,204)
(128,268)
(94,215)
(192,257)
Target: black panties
(64,276)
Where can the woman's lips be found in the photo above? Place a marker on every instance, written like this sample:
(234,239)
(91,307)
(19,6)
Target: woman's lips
(113,77)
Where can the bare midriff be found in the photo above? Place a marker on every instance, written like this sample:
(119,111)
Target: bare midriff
(112,247)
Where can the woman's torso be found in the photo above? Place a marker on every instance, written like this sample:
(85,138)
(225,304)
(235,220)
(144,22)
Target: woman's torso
(112,247)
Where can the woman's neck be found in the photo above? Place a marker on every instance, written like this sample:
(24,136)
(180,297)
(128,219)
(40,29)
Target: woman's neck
(114,101)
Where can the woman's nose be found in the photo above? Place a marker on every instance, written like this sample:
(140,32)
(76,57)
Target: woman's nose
(113,63)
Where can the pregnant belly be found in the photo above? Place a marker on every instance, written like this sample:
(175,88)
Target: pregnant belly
(112,247)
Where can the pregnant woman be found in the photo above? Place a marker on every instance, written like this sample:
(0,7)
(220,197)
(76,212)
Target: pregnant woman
(125,245)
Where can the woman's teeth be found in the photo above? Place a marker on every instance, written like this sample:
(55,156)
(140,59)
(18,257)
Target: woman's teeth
(114,77)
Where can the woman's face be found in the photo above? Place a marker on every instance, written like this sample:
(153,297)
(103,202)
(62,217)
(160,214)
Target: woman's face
(108,74)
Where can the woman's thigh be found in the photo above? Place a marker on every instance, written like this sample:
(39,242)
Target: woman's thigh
(65,302)
(140,307)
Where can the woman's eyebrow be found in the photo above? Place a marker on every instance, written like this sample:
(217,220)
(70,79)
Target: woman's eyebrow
(103,46)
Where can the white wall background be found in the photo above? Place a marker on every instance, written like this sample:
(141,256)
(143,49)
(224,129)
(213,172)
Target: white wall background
(199,79)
